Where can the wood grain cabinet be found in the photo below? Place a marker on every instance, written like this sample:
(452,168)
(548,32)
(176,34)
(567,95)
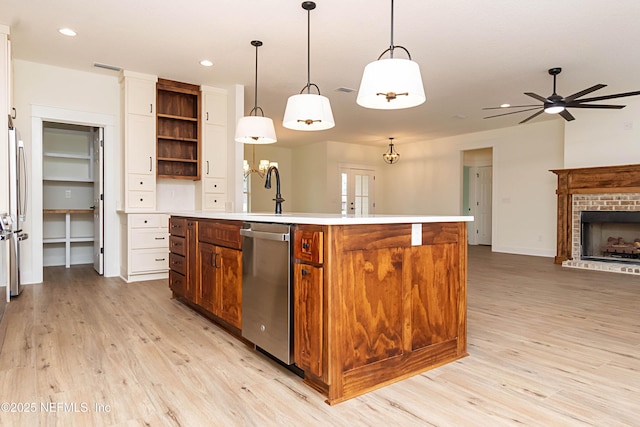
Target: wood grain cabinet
(220,270)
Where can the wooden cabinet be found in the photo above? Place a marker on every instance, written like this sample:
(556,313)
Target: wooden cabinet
(145,254)
(206,266)
(178,130)
(211,193)
(139,141)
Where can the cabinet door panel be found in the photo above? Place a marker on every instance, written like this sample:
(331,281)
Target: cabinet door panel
(215,108)
(141,137)
(207,260)
(141,97)
(434,294)
(215,151)
(230,285)
(373,313)
(308,318)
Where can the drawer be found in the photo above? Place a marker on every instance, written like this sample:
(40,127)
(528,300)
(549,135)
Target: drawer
(141,182)
(148,220)
(220,233)
(214,202)
(307,246)
(145,261)
(141,199)
(177,283)
(149,238)
(178,263)
(178,226)
(215,185)
(177,245)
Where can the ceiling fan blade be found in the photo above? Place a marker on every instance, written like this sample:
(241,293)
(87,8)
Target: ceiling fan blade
(614,107)
(617,95)
(513,112)
(584,92)
(511,106)
(566,115)
(531,116)
(536,96)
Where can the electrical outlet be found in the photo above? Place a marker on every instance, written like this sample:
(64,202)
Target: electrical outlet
(67,194)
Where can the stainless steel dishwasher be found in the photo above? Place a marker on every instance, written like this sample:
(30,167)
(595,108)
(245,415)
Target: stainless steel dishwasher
(266,288)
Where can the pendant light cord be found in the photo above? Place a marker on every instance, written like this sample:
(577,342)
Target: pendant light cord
(309,51)
(255,99)
(391,47)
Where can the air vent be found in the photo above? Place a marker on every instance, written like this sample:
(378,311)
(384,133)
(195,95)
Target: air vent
(345,89)
(106,66)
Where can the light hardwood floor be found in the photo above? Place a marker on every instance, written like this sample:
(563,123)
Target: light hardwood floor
(548,346)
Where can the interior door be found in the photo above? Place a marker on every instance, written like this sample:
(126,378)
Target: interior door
(357,191)
(98,200)
(480,204)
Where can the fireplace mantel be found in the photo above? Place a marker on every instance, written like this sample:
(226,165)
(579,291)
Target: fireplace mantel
(595,180)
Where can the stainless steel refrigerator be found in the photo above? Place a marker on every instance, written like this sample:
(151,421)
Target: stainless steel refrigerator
(13,221)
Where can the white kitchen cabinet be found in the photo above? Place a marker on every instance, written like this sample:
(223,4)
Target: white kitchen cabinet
(145,254)
(211,191)
(139,139)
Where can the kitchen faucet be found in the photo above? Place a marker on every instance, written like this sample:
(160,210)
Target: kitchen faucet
(267,184)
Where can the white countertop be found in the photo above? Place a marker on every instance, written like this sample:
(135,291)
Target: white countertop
(322,219)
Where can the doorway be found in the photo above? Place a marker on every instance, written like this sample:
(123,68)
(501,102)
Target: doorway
(72,196)
(357,193)
(477,194)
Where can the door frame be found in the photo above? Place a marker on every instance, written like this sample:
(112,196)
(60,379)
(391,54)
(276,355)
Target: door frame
(40,114)
(347,168)
(471,235)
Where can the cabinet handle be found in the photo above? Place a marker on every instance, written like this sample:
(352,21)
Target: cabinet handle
(207,160)
(159,238)
(145,221)
(15,113)
(142,200)
(305,272)
(150,164)
(141,183)
(151,108)
(305,246)
(207,115)
(177,244)
(160,259)
(214,260)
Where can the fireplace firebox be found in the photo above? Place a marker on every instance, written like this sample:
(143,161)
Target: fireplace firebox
(612,236)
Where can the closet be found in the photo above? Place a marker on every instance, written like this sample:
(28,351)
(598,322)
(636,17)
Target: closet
(69,195)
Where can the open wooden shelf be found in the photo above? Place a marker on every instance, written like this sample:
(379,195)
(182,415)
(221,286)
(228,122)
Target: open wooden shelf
(178,130)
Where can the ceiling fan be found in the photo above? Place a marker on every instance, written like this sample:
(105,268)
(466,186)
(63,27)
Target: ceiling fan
(556,104)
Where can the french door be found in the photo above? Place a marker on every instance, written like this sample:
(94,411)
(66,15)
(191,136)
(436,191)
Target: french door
(357,191)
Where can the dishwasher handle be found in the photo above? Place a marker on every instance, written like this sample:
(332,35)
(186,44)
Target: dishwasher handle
(278,237)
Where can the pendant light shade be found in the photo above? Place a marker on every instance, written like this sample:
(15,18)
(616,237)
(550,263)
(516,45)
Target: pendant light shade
(393,83)
(255,129)
(308,111)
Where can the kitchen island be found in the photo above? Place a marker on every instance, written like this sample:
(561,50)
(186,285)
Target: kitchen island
(375,299)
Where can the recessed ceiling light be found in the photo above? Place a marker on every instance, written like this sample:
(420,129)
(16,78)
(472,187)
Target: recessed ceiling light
(206,63)
(505,105)
(67,32)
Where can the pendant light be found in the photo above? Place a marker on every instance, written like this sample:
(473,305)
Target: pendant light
(391,156)
(254,128)
(308,111)
(393,83)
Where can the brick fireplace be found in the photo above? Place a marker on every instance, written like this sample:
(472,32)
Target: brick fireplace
(612,189)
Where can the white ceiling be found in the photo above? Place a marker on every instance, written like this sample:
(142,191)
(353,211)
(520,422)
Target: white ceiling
(472,53)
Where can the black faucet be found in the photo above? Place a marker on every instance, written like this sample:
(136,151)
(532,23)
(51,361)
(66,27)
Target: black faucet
(267,184)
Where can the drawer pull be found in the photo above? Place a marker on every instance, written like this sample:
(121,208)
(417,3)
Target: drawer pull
(177,244)
(159,238)
(305,272)
(160,259)
(305,246)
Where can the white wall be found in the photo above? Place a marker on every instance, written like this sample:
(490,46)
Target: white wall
(428,180)
(310,191)
(64,91)
(604,137)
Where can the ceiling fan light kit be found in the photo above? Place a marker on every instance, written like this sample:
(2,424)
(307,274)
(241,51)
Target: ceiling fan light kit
(556,104)
(254,129)
(308,111)
(393,83)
